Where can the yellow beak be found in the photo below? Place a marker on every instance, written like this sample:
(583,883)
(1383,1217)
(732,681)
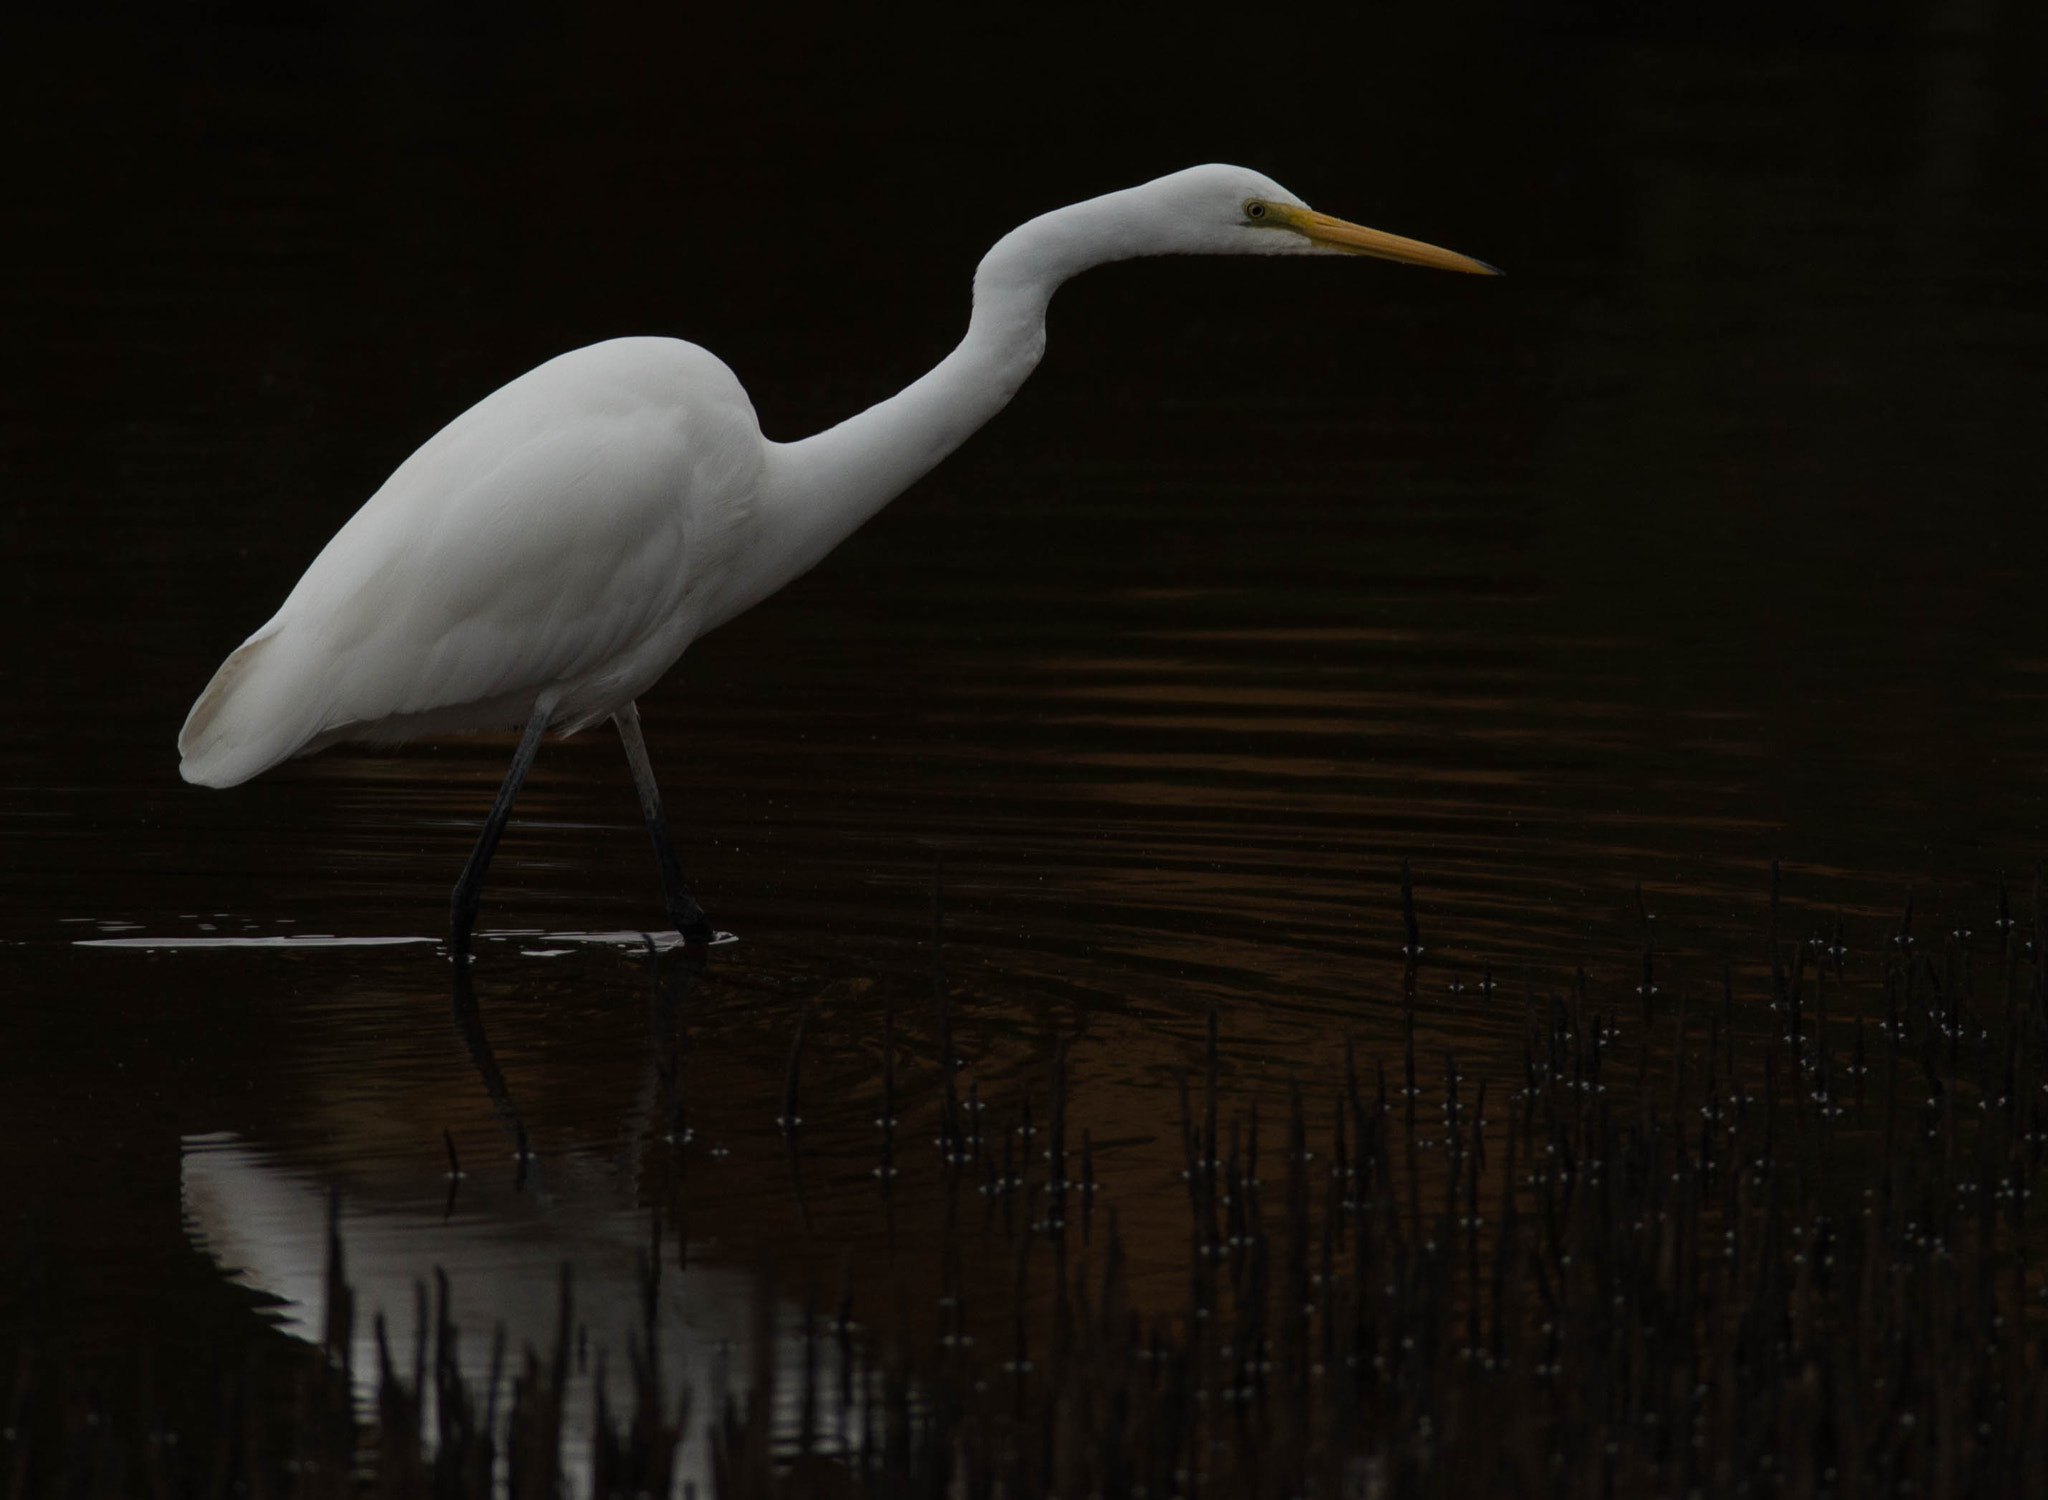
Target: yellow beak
(1358,240)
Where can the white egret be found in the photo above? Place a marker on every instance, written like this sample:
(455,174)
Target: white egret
(550,553)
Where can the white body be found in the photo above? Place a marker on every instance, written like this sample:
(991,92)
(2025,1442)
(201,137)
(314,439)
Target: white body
(564,540)
(572,532)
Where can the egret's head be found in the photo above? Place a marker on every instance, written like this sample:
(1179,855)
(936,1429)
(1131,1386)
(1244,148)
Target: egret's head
(1234,211)
(1212,210)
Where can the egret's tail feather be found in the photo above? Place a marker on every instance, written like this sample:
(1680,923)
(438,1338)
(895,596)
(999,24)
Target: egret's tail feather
(226,738)
(282,693)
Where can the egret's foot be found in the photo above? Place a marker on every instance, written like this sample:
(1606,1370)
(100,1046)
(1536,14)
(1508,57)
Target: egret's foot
(691,924)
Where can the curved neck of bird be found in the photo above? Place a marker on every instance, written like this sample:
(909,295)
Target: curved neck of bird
(818,490)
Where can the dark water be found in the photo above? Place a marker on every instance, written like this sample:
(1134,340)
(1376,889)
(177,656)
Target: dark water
(1711,535)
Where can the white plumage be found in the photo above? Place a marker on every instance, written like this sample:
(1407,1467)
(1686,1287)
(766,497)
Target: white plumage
(574,531)
(549,554)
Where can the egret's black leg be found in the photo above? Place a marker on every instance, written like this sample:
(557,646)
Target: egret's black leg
(683,909)
(469,1025)
(462,905)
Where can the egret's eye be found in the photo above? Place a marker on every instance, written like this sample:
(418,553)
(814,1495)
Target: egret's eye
(1255,210)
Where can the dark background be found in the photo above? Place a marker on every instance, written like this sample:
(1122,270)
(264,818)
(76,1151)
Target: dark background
(1711,535)
(1755,396)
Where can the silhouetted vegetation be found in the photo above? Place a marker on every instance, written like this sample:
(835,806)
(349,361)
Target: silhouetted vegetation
(1682,1253)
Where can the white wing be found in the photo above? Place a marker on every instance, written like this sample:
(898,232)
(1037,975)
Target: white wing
(564,535)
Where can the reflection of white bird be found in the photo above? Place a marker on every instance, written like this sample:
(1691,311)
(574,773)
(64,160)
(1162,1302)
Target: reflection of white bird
(545,557)
(267,1227)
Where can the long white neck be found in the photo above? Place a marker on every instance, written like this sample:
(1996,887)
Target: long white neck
(815,492)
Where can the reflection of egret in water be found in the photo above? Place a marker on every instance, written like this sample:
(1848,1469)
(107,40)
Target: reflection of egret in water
(504,1239)
(469,1025)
